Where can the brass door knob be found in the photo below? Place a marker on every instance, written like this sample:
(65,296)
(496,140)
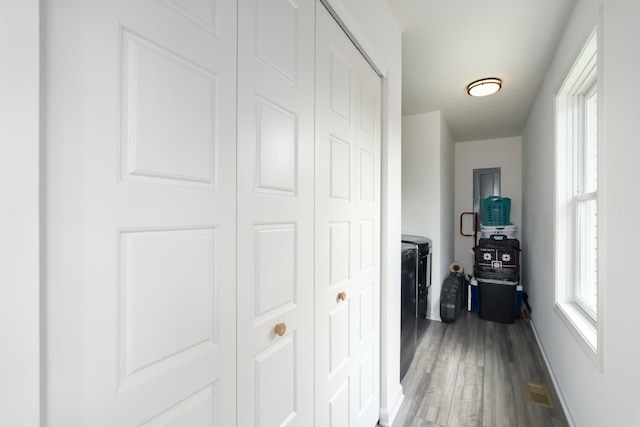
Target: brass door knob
(342,296)
(280,329)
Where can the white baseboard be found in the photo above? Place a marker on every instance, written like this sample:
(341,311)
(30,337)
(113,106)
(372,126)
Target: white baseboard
(388,415)
(563,402)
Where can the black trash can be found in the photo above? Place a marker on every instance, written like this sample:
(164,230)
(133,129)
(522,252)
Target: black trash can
(497,300)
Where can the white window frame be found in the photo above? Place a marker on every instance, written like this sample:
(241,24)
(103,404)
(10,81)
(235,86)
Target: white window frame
(583,320)
(582,195)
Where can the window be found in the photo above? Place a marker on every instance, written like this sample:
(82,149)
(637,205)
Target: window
(577,198)
(585,200)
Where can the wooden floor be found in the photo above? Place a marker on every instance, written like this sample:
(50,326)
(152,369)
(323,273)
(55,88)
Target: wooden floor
(472,372)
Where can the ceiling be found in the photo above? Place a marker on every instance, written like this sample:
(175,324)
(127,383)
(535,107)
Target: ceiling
(449,44)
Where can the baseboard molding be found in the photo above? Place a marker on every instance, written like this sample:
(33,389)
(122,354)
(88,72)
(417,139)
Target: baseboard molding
(563,402)
(388,415)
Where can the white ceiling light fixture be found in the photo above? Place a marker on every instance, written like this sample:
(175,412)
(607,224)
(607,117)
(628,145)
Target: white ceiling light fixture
(484,87)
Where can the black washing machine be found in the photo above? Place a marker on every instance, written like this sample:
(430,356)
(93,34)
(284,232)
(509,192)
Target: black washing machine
(408,298)
(423,247)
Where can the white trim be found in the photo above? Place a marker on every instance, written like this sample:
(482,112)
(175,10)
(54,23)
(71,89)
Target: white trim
(350,26)
(579,78)
(602,177)
(391,392)
(554,380)
(581,326)
(388,415)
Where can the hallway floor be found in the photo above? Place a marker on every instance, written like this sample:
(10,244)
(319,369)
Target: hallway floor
(472,373)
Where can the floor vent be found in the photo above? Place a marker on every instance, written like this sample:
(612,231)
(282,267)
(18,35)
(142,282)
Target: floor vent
(538,393)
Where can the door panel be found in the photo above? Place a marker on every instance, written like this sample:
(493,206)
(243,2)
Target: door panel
(275,375)
(152,262)
(339,338)
(347,231)
(140,213)
(156,83)
(275,212)
(339,411)
(367,214)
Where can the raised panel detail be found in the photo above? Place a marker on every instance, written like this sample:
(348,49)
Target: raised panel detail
(366,313)
(277,34)
(340,87)
(367,375)
(168,115)
(198,410)
(200,12)
(340,169)
(368,118)
(339,251)
(366,244)
(275,372)
(276,148)
(166,295)
(339,331)
(339,406)
(367,181)
(275,266)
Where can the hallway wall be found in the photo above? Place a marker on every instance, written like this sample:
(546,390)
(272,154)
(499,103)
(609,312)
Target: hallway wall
(428,191)
(19,187)
(504,153)
(607,395)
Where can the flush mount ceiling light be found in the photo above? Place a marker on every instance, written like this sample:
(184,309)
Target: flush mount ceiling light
(484,87)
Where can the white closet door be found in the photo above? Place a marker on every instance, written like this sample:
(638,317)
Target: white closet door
(347,231)
(275,212)
(140,212)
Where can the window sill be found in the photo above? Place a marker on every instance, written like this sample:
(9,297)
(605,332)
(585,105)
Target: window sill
(581,327)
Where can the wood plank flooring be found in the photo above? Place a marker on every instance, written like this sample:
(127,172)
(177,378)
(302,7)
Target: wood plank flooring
(472,372)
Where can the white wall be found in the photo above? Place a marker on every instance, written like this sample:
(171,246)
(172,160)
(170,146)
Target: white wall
(608,396)
(503,153)
(421,175)
(19,216)
(428,192)
(447,197)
